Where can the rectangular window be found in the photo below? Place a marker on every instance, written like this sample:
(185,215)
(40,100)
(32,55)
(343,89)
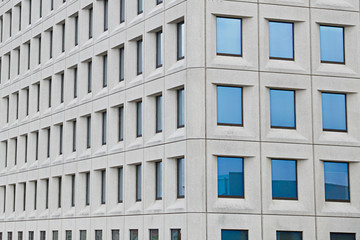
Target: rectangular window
(73,190)
(159,60)
(228,36)
(30,10)
(61,139)
(98,234)
(158,119)
(7,109)
(89,84)
(154,234)
(140,6)
(24,196)
(37,145)
(282,108)
(17,105)
(103,135)
(38,97)
(68,235)
(106,15)
(121,123)
(90,23)
(18,61)
(9,66)
(59,191)
(74,136)
(342,236)
(26,147)
(134,235)
(158,2)
(48,143)
(52,5)
(82,234)
(332,46)
(28,56)
(10,25)
(122,11)
(49,99)
(180,178)
(42,235)
(75,82)
(105,70)
(20,235)
(180,40)
(15,152)
(62,88)
(180,108)
(14,197)
(35,195)
(336,176)
(230,177)
(9,235)
(88,132)
(334,112)
(229,106)
(138,183)
(234,234)
(120,185)
(103,187)
(158,180)
(76,30)
(139,119)
(287,235)
(27,101)
(20,13)
(63,38)
(122,63)
(115,234)
(139,57)
(31,235)
(175,234)
(55,235)
(40,8)
(281,40)
(47,194)
(87,189)
(284,179)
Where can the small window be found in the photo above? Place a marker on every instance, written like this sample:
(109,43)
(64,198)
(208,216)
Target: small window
(281,40)
(62,88)
(139,57)
(75,82)
(20,235)
(140,6)
(138,183)
(122,11)
(334,112)
(103,135)
(82,234)
(89,83)
(336,176)
(61,139)
(139,119)
(115,234)
(59,191)
(342,236)
(68,235)
(103,187)
(234,234)
(180,40)
(229,106)
(230,177)
(175,234)
(180,108)
(159,60)
(121,64)
(73,190)
(74,136)
(287,235)
(282,108)
(9,234)
(180,178)
(90,23)
(88,132)
(31,235)
(228,36)
(120,185)
(42,235)
(332,44)
(158,2)
(63,38)
(55,235)
(105,70)
(158,180)
(76,30)
(284,179)
(98,234)
(106,15)
(38,97)
(48,142)
(87,189)
(134,234)
(154,234)
(158,119)
(121,124)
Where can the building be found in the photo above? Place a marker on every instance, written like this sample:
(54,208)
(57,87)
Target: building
(179,119)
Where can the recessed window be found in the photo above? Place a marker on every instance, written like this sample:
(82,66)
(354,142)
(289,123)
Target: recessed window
(180,40)
(74,136)
(342,236)
(230,177)
(138,183)
(31,235)
(75,82)
(68,235)
(106,15)
(139,119)
(332,44)
(158,1)
(103,135)
(121,124)
(158,119)
(134,234)
(282,108)
(120,185)
(10,236)
(154,234)
(175,234)
(76,30)
(103,187)
(122,11)
(51,44)
(59,191)
(229,106)
(139,57)
(180,108)
(62,88)
(87,189)
(121,64)
(180,178)
(89,83)
(288,235)
(336,176)
(140,6)
(115,234)
(98,234)
(105,70)
(61,139)
(284,179)
(234,234)
(82,234)
(88,132)
(228,36)
(334,111)
(63,38)
(281,40)
(73,190)
(90,22)
(159,60)
(158,180)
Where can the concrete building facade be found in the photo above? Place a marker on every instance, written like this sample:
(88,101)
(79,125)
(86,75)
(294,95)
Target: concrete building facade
(113,126)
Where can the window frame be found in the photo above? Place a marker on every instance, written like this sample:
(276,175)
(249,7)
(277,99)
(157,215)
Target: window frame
(281,127)
(139,119)
(242,107)
(293,41)
(346,112)
(343,35)
(120,187)
(104,128)
(159,49)
(177,230)
(348,179)
(158,181)
(180,40)
(301,233)
(103,187)
(240,230)
(139,57)
(241,37)
(158,113)
(179,106)
(297,180)
(178,175)
(345,233)
(138,184)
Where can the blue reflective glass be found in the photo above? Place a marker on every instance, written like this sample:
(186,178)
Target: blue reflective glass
(228,36)
(332,44)
(334,111)
(281,42)
(234,234)
(229,105)
(230,177)
(282,108)
(288,235)
(336,181)
(342,236)
(284,183)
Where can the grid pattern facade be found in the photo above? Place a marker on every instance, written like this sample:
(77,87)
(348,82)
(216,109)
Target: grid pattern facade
(116,124)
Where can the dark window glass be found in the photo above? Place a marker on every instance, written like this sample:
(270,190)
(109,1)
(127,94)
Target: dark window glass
(52,5)
(103,135)
(30,10)
(103,187)
(181,178)
(26,147)
(134,234)
(31,235)
(139,119)
(9,234)
(122,64)
(105,70)
(159,60)
(106,15)
(121,123)
(230,177)
(20,13)
(62,88)
(332,44)
(122,11)
(68,235)
(90,23)
(334,112)
(88,132)
(89,77)
(48,143)
(51,44)
(154,234)
(49,100)
(55,235)
(63,38)
(27,101)
(87,189)
(228,36)
(139,57)
(47,194)
(281,40)
(283,235)
(36,145)
(159,1)
(61,139)
(75,82)
(40,8)
(180,40)
(282,108)
(20,235)
(234,234)
(42,235)
(140,6)
(342,236)
(82,234)
(158,180)
(76,30)
(120,185)
(73,190)
(24,196)
(175,234)
(158,114)
(35,195)
(180,108)
(284,179)
(38,97)
(98,234)
(229,105)
(138,183)
(74,137)
(59,191)
(115,234)
(336,181)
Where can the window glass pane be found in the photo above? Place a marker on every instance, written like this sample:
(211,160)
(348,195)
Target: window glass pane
(133,234)
(140,6)
(55,235)
(68,235)
(158,180)
(342,236)
(105,72)
(180,41)
(334,111)
(121,123)
(122,64)
(281,40)
(180,108)
(229,105)
(234,234)
(158,114)
(139,57)
(230,177)
(288,235)
(104,128)
(228,36)
(175,234)
(103,186)
(120,185)
(282,108)
(181,177)
(82,234)
(98,234)
(115,235)
(336,181)
(284,179)
(106,17)
(154,234)
(139,119)
(159,49)
(332,44)
(138,183)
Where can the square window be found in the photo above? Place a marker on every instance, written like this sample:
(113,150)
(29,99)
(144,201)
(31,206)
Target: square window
(332,44)
(334,112)
(336,176)
(175,234)
(286,235)
(228,36)
(281,40)
(284,179)
(229,105)
(230,177)
(234,234)
(282,108)
(342,236)
(154,234)
(134,234)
